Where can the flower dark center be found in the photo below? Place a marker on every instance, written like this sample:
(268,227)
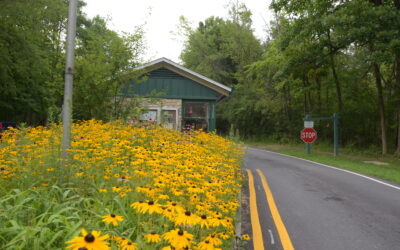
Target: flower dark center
(82,248)
(173,204)
(180,232)
(112,215)
(150,203)
(204,217)
(153,233)
(129,243)
(207,242)
(89,238)
(188,213)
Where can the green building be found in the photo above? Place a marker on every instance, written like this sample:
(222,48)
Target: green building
(185,99)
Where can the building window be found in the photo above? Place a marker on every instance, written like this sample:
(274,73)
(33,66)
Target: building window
(169,118)
(149,115)
(196,115)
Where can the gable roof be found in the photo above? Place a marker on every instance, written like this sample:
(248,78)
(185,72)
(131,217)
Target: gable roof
(179,69)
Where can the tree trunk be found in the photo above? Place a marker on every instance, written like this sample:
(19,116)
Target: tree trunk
(286,101)
(306,108)
(378,81)
(335,76)
(309,97)
(397,75)
(337,84)
(318,81)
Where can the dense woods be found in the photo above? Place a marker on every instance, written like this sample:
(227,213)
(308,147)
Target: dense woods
(322,57)
(32,59)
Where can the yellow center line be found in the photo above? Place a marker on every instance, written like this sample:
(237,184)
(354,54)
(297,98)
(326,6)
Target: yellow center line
(255,221)
(283,234)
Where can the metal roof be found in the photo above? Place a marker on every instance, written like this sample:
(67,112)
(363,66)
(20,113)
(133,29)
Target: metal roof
(159,62)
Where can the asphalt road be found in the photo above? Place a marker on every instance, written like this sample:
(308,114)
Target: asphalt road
(324,208)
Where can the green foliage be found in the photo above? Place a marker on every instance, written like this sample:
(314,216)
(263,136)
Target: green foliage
(32,62)
(104,60)
(220,49)
(30,48)
(323,57)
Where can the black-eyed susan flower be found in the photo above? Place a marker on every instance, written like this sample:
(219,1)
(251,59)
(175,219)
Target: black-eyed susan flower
(206,245)
(187,218)
(245,237)
(128,245)
(213,239)
(204,221)
(90,241)
(116,189)
(138,205)
(174,207)
(178,238)
(112,218)
(122,194)
(224,235)
(151,207)
(152,237)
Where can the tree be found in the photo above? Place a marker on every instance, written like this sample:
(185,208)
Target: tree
(30,46)
(32,57)
(104,60)
(220,48)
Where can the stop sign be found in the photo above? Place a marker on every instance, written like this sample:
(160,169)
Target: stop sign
(308,135)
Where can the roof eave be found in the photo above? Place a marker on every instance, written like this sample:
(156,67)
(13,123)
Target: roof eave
(164,62)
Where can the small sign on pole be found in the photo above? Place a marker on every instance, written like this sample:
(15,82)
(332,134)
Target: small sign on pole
(308,124)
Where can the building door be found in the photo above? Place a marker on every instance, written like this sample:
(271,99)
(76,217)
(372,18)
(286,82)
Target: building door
(196,115)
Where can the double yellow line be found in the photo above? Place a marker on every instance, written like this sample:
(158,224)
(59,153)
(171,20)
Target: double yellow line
(258,242)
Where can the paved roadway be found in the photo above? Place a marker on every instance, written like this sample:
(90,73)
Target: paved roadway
(320,208)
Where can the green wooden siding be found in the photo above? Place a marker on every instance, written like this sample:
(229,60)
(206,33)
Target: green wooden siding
(171,85)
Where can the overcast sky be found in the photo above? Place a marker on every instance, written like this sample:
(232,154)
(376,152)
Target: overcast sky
(161,18)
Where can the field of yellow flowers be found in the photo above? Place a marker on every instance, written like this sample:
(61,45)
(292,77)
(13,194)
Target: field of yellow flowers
(124,188)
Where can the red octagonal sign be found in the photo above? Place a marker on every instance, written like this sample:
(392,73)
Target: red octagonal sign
(308,135)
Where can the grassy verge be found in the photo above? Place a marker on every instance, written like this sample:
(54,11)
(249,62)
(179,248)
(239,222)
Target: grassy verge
(350,159)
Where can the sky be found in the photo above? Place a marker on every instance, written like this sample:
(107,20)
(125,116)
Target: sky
(161,19)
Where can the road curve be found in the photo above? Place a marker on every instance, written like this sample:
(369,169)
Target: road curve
(322,207)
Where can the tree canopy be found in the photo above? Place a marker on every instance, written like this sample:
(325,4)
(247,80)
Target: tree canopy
(323,57)
(32,58)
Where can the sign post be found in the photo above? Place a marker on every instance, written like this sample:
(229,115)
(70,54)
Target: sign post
(308,120)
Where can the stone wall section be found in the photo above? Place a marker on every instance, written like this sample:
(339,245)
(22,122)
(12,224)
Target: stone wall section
(160,104)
